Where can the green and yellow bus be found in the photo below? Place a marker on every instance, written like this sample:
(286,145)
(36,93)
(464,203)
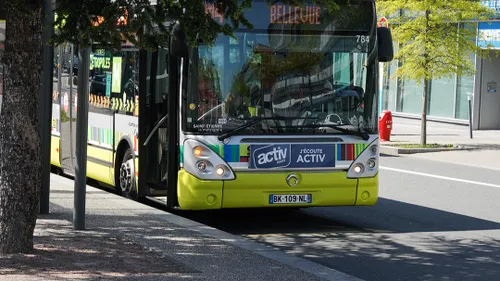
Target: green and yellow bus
(282,115)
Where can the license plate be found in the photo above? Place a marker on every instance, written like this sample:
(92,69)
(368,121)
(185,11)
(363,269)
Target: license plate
(290,199)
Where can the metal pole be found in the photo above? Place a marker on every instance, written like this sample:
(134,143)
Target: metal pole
(470,115)
(71,70)
(46,106)
(70,107)
(58,68)
(81,138)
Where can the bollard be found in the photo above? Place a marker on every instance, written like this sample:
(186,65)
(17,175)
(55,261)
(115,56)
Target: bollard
(469,99)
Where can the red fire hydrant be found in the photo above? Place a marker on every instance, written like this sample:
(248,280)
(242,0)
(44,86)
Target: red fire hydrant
(385,125)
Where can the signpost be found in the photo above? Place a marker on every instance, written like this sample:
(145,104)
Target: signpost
(81,138)
(45,108)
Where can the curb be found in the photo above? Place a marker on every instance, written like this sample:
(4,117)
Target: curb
(396,151)
(313,268)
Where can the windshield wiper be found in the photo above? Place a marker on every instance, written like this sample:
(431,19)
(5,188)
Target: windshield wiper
(253,121)
(339,128)
(240,128)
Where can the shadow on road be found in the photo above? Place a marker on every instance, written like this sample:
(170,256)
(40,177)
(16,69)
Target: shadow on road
(387,216)
(391,241)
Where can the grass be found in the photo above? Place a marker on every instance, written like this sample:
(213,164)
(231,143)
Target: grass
(430,145)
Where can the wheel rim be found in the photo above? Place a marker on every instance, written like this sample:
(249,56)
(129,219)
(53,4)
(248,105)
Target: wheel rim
(127,176)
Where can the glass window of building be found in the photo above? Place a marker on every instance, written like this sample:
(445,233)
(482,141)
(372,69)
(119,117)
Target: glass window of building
(410,97)
(465,84)
(442,97)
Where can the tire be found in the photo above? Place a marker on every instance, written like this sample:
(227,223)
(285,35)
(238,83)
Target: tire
(127,186)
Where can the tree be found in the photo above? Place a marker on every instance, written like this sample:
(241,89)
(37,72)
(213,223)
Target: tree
(20,170)
(80,22)
(432,44)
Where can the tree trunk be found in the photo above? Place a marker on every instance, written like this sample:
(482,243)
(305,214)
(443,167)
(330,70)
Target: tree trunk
(423,129)
(20,166)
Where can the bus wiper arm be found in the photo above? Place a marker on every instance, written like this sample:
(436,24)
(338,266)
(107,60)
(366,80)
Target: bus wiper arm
(362,135)
(236,130)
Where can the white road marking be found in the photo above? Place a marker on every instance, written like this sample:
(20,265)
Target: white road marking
(439,177)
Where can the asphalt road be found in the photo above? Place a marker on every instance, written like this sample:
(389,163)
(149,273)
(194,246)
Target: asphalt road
(434,221)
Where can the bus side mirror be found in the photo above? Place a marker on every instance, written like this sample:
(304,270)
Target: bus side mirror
(178,42)
(385,45)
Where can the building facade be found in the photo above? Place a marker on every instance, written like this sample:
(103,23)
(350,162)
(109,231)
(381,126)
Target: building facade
(448,97)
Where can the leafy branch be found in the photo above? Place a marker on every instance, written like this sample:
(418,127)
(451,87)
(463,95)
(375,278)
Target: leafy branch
(83,22)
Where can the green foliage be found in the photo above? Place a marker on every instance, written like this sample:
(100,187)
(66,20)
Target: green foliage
(65,118)
(431,44)
(146,24)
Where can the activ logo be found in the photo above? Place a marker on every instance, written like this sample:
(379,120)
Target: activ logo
(271,156)
(301,156)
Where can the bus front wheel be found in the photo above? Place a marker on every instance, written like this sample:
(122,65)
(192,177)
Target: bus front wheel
(127,182)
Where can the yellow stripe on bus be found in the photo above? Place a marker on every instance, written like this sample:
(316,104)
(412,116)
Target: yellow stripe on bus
(100,171)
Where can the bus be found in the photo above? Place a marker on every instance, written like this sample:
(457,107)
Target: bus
(280,115)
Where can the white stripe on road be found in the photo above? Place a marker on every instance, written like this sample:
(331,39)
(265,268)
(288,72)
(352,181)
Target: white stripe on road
(440,177)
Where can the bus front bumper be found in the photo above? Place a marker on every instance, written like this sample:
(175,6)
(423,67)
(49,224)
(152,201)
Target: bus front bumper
(257,190)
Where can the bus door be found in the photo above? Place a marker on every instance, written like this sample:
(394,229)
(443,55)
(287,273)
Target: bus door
(153,116)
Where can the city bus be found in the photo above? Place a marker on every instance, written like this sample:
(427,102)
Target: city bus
(280,115)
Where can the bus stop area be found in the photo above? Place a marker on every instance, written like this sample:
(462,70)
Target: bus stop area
(127,240)
(481,150)
(407,131)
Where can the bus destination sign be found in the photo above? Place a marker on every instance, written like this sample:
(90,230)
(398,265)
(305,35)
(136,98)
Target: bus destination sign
(281,14)
(285,14)
(354,17)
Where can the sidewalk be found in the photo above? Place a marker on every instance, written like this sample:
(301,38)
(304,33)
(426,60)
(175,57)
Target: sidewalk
(483,149)
(408,131)
(126,240)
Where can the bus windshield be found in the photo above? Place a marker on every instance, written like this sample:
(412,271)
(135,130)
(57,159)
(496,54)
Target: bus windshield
(295,74)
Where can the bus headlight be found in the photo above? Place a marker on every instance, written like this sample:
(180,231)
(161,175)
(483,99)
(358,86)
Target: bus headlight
(201,152)
(366,165)
(220,170)
(203,163)
(372,163)
(358,168)
(204,166)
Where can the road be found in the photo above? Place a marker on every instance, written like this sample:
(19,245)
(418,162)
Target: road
(434,221)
